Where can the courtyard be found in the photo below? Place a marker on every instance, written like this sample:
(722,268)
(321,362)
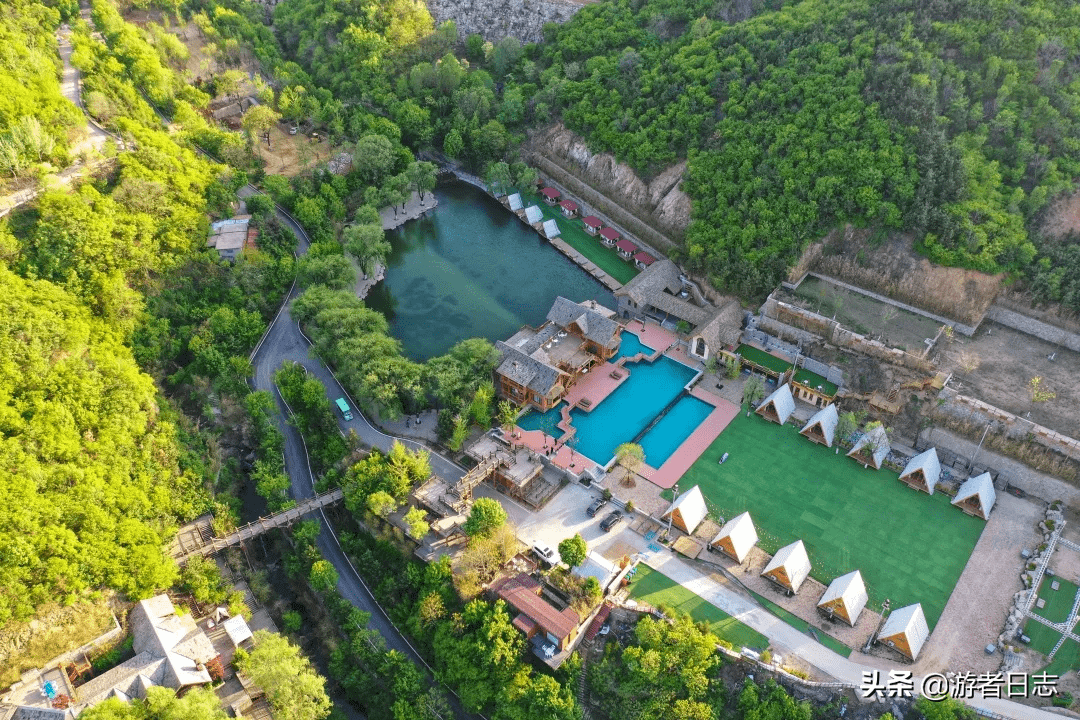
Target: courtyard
(911,547)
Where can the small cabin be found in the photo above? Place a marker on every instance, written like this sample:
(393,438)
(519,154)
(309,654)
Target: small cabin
(643,260)
(789,567)
(569,208)
(822,426)
(736,538)
(976,496)
(871,448)
(905,631)
(922,472)
(592,224)
(688,510)
(551,195)
(777,407)
(626,249)
(610,236)
(845,598)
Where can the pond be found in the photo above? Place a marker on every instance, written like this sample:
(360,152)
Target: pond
(472,269)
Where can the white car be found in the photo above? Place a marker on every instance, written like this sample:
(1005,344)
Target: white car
(544,552)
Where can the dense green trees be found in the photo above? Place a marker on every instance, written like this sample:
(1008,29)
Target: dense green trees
(485,516)
(92,481)
(161,703)
(292,686)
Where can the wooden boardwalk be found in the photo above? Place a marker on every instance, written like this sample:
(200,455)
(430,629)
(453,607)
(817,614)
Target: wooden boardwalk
(185,550)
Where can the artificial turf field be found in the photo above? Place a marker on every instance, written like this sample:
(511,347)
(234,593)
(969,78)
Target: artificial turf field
(911,547)
(1058,602)
(657,589)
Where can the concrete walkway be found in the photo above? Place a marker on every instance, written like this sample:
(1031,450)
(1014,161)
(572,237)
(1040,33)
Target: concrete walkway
(414,208)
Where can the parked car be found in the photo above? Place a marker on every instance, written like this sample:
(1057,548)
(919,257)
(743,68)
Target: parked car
(544,552)
(596,505)
(611,520)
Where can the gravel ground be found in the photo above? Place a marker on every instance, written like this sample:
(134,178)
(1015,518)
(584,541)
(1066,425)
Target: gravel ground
(976,611)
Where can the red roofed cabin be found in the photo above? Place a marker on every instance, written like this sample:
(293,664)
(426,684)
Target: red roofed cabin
(610,236)
(626,249)
(569,208)
(643,260)
(592,224)
(551,195)
(535,614)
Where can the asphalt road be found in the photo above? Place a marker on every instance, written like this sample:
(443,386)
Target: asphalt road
(284,342)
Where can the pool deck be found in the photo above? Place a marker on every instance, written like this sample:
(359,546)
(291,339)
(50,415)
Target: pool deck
(594,387)
(692,447)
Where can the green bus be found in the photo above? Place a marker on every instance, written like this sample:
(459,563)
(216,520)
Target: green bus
(343,408)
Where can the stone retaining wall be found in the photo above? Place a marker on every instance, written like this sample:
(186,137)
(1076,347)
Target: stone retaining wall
(1036,328)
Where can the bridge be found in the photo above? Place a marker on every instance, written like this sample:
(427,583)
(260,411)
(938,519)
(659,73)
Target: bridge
(197,538)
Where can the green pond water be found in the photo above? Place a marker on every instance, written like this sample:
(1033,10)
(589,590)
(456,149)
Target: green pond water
(472,269)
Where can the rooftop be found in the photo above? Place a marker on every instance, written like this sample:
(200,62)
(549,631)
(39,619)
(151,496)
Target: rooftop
(522,594)
(610,233)
(814,381)
(591,221)
(229,234)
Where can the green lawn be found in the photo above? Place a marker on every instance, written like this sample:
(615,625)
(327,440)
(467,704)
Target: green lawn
(801,625)
(573,234)
(1043,639)
(762,358)
(1066,659)
(657,589)
(1058,602)
(811,379)
(910,547)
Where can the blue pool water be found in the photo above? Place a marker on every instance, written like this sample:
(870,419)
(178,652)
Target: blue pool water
(543,421)
(630,409)
(630,345)
(668,434)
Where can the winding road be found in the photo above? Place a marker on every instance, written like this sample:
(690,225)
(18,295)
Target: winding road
(285,342)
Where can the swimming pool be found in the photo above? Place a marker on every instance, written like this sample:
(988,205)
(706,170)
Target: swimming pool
(547,422)
(630,345)
(624,414)
(666,436)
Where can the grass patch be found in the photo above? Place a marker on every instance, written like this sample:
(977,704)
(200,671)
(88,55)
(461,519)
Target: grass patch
(802,626)
(62,629)
(813,380)
(762,358)
(657,589)
(1043,639)
(1058,602)
(909,546)
(1066,659)
(573,234)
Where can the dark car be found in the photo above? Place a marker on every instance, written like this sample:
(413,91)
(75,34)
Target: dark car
(611,520)
(595,507)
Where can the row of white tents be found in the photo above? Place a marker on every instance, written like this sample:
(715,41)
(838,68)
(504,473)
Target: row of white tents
(905,630)
(976,495)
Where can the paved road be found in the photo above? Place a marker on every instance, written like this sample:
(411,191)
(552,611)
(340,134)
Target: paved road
(285,342)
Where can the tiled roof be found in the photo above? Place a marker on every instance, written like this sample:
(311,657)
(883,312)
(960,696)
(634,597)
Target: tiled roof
(590,324)
(592,221)
(520,593)
(610,233)
(550,193)
(598,621)
(528,372)
(724,327)
(626,246)
(569,205)
(644,258)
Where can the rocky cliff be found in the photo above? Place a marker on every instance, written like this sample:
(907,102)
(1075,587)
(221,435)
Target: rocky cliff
(659,203)
(496,19)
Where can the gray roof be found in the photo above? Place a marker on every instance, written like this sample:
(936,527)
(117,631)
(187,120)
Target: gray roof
(25,712)
(590,324)
(981,486)
(851,590)
(515,202)
(537,376)
(782,401)
(533,215)
(929,464)
(551,229)
(161,632)
(878,439)
(725,326)
(658,286)
(132,678)
(827,419)
(229,234)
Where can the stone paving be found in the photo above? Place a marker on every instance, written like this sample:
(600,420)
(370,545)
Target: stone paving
(414,208)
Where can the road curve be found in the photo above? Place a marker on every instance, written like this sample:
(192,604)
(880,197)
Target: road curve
(285,342)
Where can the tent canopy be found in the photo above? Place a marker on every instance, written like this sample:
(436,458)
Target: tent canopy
(688,510)
(826,419)
(737,536)
(782,402)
